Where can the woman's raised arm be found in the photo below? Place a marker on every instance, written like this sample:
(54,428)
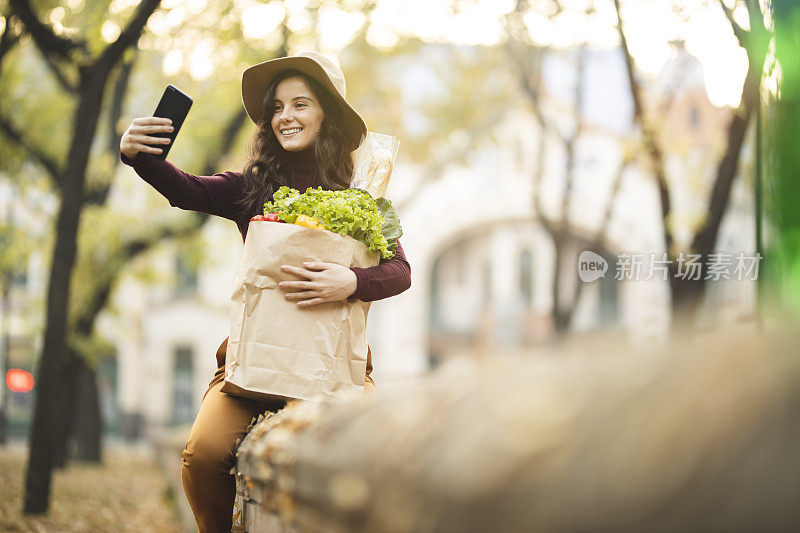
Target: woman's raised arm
(214,194)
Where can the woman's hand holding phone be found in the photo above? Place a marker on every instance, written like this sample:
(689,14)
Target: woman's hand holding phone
(136,138)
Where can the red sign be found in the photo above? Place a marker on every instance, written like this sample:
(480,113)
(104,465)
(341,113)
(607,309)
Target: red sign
(19,380)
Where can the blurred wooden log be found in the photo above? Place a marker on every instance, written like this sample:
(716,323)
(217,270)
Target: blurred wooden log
(701,436)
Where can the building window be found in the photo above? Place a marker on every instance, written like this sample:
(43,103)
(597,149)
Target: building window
(526,277)
(182,379)
(486,284)
(694,117)
(107,392)
(19,279)
(434,298)
(185,277)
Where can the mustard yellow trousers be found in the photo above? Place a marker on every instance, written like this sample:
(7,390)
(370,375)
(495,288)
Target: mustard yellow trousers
(210,452)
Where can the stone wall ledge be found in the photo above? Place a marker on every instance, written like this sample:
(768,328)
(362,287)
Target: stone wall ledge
(594,436)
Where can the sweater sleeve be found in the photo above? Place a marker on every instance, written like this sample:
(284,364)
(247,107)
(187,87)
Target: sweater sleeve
(388,278)
(214,195)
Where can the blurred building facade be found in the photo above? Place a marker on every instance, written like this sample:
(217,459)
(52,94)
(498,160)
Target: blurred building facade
(482,264)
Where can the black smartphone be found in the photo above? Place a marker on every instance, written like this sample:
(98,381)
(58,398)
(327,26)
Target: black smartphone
(174,105)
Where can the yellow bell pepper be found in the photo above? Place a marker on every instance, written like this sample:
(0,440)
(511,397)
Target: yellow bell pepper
(309,222)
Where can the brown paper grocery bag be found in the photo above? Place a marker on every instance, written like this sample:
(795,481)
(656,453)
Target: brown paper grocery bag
(279,350)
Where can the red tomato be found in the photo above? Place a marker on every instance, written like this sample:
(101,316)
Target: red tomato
(258,217)
(272,217)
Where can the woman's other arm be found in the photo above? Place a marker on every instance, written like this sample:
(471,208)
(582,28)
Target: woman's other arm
(389,278)
(329,282)
(207,194)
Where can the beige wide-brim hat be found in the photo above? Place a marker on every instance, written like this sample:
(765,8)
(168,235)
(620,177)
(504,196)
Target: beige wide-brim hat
(256,78)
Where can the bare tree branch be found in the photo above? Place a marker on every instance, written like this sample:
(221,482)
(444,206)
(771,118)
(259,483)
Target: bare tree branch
(283,49)
(756,15)
(53,47)
(705,239)
(98,196)
(11,38)
(117,99)
(538,175)
(129,36)
(116,262)
(46,40)
(8,39)
(738,31)
(433,170)
(605,222)
(572,139)
(528,85)
(530,80)
(232,128)
(61,78)
(648,134)
(43,159)
(563,235)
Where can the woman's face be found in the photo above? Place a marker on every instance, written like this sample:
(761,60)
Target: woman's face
(297,114)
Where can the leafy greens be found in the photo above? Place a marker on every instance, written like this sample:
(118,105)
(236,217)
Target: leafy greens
(350,212)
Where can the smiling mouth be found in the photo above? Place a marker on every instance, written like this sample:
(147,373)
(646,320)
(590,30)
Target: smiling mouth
(291,132)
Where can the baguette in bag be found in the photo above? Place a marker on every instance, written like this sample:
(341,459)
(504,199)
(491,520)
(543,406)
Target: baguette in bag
(373,163)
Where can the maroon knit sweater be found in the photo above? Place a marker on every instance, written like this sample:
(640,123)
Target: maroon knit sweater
(217,195)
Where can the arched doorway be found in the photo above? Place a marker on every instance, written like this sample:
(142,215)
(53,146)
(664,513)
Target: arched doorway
(490,287)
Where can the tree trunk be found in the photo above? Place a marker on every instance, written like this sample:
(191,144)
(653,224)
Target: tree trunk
(53,366)
(53,390)
(66,421)
(687,295)
(93,73)
(88,428)
(80,427)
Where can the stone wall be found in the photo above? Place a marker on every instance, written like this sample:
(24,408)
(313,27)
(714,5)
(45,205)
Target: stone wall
(593,436)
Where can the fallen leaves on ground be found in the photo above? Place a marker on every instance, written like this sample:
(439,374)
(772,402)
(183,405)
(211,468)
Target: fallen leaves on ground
(126,493)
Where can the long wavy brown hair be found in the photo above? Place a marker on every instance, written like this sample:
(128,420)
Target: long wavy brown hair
(267,168)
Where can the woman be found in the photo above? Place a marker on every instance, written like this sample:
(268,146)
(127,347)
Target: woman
(306,133)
